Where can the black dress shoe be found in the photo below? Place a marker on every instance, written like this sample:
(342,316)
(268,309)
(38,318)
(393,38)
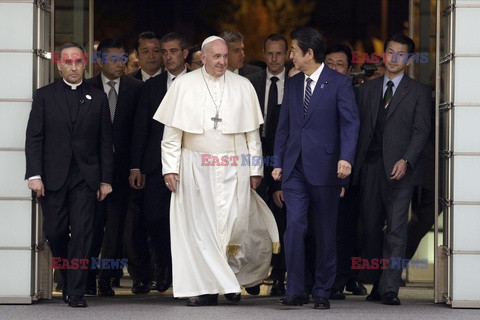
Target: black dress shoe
(356,288)
(374,294)
(77,302)
(278,288)
(291,300)
(233,297)
(64,295)
(163,284)
(336,294)
(306,298)
(253,291)
(203,300)
(105,288)
(139,287)
(391,298)
(321,303)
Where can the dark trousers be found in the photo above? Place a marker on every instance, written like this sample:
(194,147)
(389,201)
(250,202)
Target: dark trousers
(422,219)
(136,239)
(347,235)
(383,204)
(299,194)
(157,219)
(114,208)
(68,225)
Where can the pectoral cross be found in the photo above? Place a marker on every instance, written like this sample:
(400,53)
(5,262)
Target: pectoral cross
(216,120)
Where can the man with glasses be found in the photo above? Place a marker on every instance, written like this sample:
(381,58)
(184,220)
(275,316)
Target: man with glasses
(194,58)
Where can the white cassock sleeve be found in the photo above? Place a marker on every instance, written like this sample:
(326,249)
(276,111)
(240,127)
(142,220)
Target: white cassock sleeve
(254,145)
(171,150)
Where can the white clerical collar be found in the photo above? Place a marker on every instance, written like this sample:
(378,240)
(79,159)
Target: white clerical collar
(280,76)
(105,81)
(146,76)
(73,86)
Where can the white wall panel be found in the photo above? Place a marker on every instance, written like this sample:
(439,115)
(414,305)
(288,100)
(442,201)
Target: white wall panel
(15,272)
(16,79)
(466,79)
(466,178)
(466,219)
(467,129)
(465,19)
(13,123)
(16,226)
(466,281)
(12,174)
(16,35)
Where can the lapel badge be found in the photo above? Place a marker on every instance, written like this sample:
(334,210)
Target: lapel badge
(323,84)
(89,97)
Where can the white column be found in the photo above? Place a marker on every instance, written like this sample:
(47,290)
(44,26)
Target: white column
(465,192)
(16,86)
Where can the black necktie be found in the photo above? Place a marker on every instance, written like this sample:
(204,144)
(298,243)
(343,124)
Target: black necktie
(272,102)
(388,94)
(308,95)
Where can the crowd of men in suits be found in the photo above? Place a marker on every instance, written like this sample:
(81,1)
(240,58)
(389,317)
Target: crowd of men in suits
(106,142)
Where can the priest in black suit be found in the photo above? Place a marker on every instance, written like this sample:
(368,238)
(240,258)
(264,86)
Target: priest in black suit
(123,94)
(269,84)
(69,160)
(146,156)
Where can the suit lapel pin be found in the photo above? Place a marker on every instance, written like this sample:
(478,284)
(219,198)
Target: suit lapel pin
(323,84)
(89,97)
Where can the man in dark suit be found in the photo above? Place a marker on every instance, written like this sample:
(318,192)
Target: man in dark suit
(69,161)
(315,147)
(339,58)
(123,94)
(269,84)
(236,54)
(395,124)
(147,138)
(149,56)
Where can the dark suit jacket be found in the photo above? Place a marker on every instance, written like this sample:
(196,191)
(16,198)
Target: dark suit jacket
(328,133)
(136,75)
(248,69)
(406,130)
(128,98)
(259,81)
(148,133)
(51,141)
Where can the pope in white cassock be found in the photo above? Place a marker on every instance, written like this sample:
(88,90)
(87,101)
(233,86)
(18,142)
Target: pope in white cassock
(222,233)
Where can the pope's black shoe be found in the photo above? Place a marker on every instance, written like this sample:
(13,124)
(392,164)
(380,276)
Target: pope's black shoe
(356,288)
(253,291)
(391,298)
(233,297)
(321,303)
(203,300)
(291,300)
(77,302)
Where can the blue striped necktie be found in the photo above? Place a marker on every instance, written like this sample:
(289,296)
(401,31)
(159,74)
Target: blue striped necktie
(308,95)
